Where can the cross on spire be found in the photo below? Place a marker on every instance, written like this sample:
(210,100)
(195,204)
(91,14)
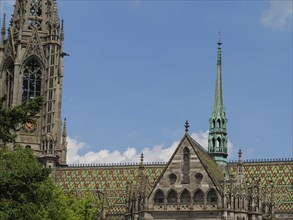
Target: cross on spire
(186,125)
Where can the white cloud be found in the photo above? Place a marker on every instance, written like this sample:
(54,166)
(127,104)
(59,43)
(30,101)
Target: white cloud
(157,153)
(278,16)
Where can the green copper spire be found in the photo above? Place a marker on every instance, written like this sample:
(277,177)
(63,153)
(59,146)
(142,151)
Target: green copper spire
(218,105)
(217,133)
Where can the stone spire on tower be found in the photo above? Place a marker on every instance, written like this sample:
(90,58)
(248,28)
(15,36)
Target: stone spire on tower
(3,31)
(218,139)
(31,60)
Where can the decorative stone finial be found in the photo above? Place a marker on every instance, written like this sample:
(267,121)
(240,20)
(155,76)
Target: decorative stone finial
(3,30)
(239,154)
(141,158)
(219,39)
(62,30)
(3,24)
(186,125)
(64,134)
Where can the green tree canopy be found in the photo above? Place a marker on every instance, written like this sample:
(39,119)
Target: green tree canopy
(27,190)
(12,118)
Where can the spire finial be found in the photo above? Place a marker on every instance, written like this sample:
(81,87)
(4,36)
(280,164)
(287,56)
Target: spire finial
(186,126)
(239,154)
(141,159)
(219,59)
(64,134)
(3,30)
(62,30)
(219,38)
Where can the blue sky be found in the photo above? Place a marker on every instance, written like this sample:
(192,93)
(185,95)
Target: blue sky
(138,69)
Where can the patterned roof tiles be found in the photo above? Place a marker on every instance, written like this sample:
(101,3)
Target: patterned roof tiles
(112,180)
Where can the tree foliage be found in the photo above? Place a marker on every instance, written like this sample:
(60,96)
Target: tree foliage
(27,189)
(12,118)
(28,192)
(86,207)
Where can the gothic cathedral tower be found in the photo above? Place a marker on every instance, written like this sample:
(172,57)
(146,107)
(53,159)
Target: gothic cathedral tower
(31,64)
(218,139)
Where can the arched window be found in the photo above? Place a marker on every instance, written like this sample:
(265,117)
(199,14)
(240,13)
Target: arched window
(219,142)
(186,161)
(218,123)
(212,196)
(32,78)
(213,123)
(159,197)
(198,196)
(214,142)
(172,178)
(185,197)
(9,82)
(172,197)
(198,177)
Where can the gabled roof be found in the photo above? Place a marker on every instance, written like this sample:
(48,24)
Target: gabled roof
(207,161)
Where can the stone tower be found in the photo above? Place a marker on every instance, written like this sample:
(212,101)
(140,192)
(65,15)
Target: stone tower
(31,64)
(217,146)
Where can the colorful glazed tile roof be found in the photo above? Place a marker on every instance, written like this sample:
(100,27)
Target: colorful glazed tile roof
(108,179)
(210,164)
(111,179)
(275,176)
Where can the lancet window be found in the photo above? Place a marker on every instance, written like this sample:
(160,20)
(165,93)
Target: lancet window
(32,80)
(159,197)
(186,162)
(172,198)
(185,197)
(212,196)
(198,196)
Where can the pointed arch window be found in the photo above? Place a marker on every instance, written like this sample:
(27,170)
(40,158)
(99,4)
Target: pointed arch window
(186,163)
(218,123)
(172,198)
(219,143)
(32,79)
(198,196)
(9,82)
(159,197)
(214,143)
(185,197)
(212,196)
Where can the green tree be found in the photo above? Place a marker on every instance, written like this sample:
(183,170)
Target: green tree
(12,118)
(26,189)
(83,207)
